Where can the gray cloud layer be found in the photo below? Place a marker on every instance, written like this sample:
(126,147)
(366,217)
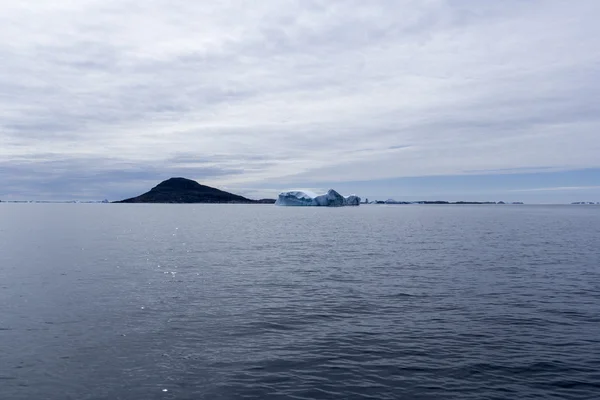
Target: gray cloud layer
(101,98)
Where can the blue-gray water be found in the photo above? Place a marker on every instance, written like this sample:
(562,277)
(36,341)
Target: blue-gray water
(264,302)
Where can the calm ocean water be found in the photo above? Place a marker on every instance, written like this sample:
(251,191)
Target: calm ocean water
(261,302)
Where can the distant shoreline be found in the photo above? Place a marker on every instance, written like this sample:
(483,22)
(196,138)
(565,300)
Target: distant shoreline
(186,191)
(269,203)
(442,202)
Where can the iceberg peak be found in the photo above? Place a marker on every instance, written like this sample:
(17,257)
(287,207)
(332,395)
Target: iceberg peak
(304,198)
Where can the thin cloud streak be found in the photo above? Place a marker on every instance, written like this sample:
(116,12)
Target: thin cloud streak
(558,189)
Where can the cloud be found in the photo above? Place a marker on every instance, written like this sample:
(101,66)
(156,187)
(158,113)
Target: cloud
(49,177)
(289,92)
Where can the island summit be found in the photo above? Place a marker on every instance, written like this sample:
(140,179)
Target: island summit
(182,190)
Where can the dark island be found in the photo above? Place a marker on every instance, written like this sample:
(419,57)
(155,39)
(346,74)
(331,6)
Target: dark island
(181,190)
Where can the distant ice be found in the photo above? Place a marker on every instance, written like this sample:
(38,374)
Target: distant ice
(305,198)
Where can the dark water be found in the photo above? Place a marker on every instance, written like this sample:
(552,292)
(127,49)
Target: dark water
(264,302)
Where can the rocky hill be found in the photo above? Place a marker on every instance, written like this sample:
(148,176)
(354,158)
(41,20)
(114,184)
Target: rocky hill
(181,190)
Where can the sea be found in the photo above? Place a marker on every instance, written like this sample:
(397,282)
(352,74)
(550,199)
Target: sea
(153,301)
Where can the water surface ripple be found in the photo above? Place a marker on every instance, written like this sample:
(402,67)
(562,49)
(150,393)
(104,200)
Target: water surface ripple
(264,302)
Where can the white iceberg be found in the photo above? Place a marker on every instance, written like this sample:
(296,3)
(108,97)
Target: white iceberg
(305,198)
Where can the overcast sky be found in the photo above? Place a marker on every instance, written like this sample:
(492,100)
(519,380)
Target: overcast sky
(463,99)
